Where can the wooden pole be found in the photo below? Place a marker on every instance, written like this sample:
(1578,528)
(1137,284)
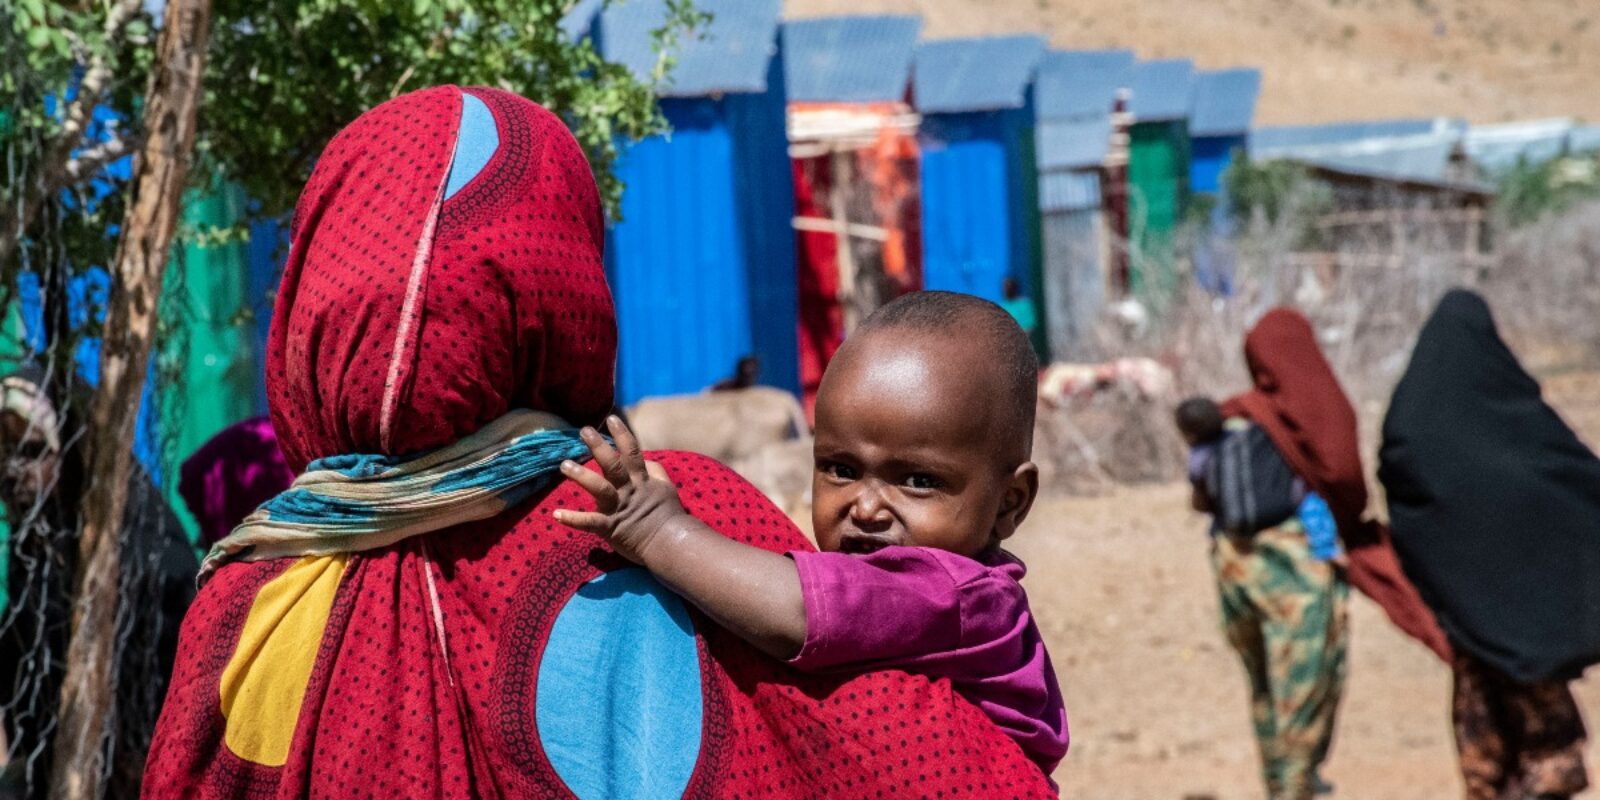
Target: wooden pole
(849,292)
(88,693)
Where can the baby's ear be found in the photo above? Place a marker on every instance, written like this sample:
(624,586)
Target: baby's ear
(1021,489)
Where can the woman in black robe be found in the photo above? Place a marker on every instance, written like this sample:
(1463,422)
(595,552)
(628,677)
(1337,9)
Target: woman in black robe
(1495,509)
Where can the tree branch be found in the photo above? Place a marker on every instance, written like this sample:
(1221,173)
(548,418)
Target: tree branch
(75,121)
(90,89)
(91,159)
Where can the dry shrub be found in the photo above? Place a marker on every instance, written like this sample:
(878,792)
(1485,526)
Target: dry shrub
(1367,293)
(1089,444)
(1545,290)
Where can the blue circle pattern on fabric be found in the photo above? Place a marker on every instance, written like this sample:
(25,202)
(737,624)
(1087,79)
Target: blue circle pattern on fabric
(618,704)
(476,142)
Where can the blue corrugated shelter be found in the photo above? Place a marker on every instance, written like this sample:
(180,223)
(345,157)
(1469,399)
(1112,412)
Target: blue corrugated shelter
(1064,144)
(1224,107)
(1076,84)
(702,263)
(861,59)
(1162,89)
(979,179)
(1075,96)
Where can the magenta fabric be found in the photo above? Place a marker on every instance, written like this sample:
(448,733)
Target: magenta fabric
(942,615)
(232,473)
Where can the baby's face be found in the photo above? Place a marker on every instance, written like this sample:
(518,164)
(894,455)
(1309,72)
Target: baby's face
(906,452)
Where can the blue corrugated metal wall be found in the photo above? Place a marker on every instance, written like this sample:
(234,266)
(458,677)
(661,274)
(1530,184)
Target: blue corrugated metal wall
(1210,157)
(979,221)
(268,248)
(702,263)
(765,188)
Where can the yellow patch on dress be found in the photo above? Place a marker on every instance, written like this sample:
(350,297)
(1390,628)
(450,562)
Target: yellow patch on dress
(265,681)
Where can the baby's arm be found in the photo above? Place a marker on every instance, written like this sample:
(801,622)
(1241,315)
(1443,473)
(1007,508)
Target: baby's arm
(752,592)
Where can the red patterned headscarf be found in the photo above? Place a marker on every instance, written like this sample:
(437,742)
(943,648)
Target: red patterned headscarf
(1298,401)
(425,297)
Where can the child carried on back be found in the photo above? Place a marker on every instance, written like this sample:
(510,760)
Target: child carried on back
(923,438)
(1238,477)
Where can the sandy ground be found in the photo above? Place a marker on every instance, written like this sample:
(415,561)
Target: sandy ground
(1157,700)
(1123,592)
(1322,60)
(1122,588)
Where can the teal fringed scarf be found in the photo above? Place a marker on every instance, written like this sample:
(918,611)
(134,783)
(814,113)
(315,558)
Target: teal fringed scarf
(351,503)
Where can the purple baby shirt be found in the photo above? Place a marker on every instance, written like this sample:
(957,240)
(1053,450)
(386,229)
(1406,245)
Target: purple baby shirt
(942,615)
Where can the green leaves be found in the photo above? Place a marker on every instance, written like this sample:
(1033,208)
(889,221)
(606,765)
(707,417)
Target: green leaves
(285,75)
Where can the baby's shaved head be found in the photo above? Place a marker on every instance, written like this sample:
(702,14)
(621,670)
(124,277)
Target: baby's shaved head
(1009,370)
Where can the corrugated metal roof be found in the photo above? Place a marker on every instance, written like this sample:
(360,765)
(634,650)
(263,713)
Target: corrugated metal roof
(1268,140)
(849,59)
(730,55)
(1584,139)
(1081,83)
(1162,89)
(1072,143)
(1500,146)
(1415,150)
(1425,158)
(1224,102)
(983,74)
(1073,190)
(580,18)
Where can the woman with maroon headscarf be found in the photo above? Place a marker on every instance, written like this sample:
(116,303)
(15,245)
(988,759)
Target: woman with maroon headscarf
(1298,401)
(444,283)
(1283,608)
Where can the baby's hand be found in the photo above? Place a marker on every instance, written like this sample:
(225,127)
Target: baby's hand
(635,498)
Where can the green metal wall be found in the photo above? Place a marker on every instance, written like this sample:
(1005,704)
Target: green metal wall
(208,367)
(1158,188)
(13,347)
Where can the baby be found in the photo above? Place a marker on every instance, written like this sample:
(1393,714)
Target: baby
(1202,424)
(923,439)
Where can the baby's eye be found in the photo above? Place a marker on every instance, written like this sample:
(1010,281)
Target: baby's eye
(834,469)
(921,480)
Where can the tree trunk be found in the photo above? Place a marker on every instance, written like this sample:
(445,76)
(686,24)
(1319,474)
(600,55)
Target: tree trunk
(88,722)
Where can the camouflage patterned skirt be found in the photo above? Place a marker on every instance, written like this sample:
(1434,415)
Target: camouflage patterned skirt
(1283,611)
